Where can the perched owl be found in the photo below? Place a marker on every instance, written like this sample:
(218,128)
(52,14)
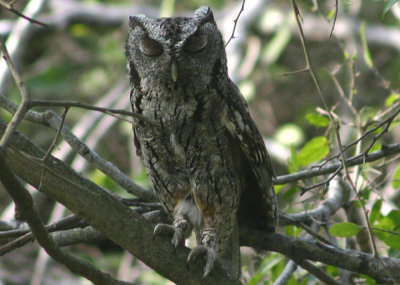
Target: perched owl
(204,156)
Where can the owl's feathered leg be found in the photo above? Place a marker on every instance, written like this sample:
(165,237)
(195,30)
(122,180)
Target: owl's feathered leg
(206,247)
(185,216)
(220,239)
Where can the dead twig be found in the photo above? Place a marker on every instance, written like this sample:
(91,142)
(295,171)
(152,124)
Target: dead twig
(9,7)
(235,23)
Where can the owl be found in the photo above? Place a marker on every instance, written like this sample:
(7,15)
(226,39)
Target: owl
(203,154)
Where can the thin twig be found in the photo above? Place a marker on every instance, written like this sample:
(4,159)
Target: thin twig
(9,7)
(322,183)
(364,210)
(53,144)
(16,243)
(25,236)
(336,129)
(69,104)
(235,23)
(386,231)
(386,123)
(334,19)
(51,119)
(317,272)
(332,167)
(313,233)
(23,108)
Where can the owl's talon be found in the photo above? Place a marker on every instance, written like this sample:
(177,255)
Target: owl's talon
(168,230)
(210,257)
(163,229)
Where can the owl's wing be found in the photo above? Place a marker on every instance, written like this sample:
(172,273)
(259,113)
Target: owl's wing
(258,207)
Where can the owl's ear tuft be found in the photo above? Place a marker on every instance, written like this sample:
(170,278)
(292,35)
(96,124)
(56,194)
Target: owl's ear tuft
(136,21)
(204,14)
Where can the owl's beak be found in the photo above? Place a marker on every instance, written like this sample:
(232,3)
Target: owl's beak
(174,71)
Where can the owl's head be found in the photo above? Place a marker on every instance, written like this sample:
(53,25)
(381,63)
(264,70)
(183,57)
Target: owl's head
(172,52)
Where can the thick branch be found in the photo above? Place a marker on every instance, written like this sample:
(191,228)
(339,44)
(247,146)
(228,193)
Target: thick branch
(300,248)
(132,232)
(336,196)
(107,214)
(24,203)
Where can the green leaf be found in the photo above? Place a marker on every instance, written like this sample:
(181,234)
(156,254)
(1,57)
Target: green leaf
(314,150)
(367,54)
(386,223)
(293,164)
(304,282)
(317,120)
(392,98)
(396,177)
(394,215)
(255,279)
(278,188)
(356,203)
(79,30)
(331,14)
(365,279)
(265,268)
(388,5)
(346,55)
(332,270)
(375,147)
(375,213)
(345,229)
(393,241)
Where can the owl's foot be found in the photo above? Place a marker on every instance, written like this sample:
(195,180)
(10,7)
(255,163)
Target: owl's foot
(178,234)
(209,254)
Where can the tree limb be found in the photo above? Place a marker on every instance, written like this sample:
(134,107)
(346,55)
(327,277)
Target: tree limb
(131,231)
(51,119)
(298,248)
(386,150)
(24,203)
(107,214)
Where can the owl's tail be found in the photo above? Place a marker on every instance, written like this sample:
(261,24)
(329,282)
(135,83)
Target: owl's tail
(230,254)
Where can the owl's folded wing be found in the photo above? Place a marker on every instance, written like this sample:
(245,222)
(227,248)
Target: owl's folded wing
(244,131)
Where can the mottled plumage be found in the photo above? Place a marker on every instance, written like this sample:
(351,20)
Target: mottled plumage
(204,156)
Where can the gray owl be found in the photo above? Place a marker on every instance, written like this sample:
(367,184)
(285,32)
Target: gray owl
(204,156)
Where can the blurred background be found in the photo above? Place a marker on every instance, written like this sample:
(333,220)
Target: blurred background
(80,57)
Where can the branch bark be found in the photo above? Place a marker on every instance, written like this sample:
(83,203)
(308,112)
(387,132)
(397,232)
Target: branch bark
(24,203)
(116,221)
(386,151)
(104,212)
(301,248)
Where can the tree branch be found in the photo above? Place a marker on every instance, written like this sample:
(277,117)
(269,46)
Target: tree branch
(132,232)
(108,215)
(9,6)
(24,203)
(300,248)
(387,150)
(51,119)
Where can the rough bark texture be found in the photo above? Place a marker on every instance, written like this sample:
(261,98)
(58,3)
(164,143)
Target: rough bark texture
(106,214)
(131,231)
